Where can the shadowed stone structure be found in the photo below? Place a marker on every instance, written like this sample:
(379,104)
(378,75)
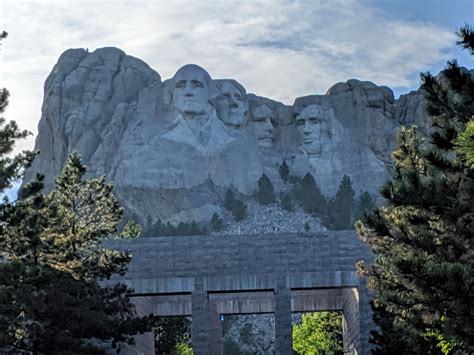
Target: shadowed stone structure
(205,276)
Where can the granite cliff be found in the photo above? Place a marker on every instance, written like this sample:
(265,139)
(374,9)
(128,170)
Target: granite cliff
(172,147)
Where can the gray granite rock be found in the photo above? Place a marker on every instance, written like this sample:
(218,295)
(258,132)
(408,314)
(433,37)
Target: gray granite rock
(172,148)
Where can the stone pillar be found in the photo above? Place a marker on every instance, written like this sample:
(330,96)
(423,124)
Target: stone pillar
(283,326)
(365,316)
(200,325)
(351,321)
(215,330)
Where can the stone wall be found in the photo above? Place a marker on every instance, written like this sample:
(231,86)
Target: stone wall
(285,273)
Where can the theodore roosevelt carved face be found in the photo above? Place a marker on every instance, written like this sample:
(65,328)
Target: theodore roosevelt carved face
(308,123)
(192,90)
(262,126)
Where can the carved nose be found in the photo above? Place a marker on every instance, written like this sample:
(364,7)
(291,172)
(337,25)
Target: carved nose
(233,102)
(188,90)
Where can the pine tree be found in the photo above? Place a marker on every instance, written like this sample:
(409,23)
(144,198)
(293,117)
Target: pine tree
(307,193)
(234,205)
(341,207)
(131,230)
(216,222)
(82,213)
(56,263)
(423,273)
(307,228)
(170,332)
(287,202)
(284,171)
(11,168)
(265,192)
(464,145)
(364,205)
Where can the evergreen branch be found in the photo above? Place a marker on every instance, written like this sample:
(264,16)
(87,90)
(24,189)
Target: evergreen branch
(466,38)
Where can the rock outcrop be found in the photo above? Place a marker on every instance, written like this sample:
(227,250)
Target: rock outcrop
(173,147)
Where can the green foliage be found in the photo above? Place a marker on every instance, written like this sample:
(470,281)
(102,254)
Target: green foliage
(216,222)
(11,168)
(287,202)
(341,207)
(161,229)
(445,346)
(364,205)
(171,333)
(464,144)
(265,192)
(182,349)
(307,193)
(284,171)
(466,38)
(56,263)
(82,213)
(131,230)
(235,206)
(423,273)
(319,333)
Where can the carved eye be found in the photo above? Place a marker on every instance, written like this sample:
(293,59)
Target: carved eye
(300,122)
(197,84)
(181,84)
(315,120)
(238,97)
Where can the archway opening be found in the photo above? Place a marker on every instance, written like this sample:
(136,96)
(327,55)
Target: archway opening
(318,333)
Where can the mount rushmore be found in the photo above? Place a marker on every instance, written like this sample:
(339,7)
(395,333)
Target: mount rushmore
(172,147)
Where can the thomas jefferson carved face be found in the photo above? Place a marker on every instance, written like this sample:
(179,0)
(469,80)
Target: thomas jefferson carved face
(231,103)
(192,91)
(308,124)
(262,126)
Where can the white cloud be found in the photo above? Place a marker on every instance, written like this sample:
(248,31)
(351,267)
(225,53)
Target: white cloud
(277,48)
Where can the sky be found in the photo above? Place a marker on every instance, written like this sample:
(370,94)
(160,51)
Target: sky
(280,49)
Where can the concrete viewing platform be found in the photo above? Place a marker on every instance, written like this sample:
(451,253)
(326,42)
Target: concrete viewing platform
(206,276)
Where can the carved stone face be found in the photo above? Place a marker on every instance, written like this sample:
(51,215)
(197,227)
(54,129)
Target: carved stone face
(191,91)
(308,124)
(231,105)
(263,127)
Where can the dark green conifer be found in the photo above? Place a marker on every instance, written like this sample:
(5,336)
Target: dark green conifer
(216,222)
(284,171)
(307,193)
(287,202)
(423,273)
(265,192)
(235,206)
(341,206)
(307,228)
(131,230)
(364,205)
(53,243)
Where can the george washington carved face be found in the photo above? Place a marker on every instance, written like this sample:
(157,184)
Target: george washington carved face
(192,90)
